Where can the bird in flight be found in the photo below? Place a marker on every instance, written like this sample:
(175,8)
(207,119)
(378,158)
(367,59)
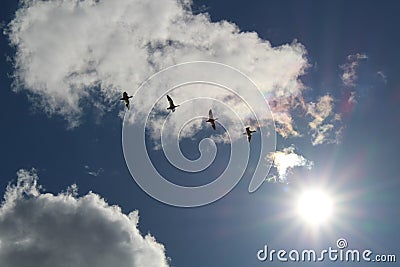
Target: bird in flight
(211,119)
(171,104)
(248,133)
(125,98)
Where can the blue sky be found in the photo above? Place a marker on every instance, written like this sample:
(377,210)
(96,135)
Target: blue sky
(344,58)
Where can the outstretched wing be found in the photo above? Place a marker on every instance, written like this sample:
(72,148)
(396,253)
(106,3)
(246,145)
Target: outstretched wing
(210,114)
(171,102)
(213,124)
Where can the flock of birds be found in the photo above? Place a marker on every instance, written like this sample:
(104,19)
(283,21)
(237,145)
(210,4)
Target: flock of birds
(172,107)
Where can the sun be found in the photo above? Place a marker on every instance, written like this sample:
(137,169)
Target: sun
(315,206)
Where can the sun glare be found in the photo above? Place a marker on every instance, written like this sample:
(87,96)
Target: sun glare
(315,206)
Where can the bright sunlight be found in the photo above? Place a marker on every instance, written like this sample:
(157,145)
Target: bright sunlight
(315,206)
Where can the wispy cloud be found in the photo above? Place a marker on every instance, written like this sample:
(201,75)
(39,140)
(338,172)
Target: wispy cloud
(326,134)
(382,75)
(320,110)
(282,108)
(352,98)
(349,75)
(94,173)
(285,160)
(42,229)
(284,125)
(322,126)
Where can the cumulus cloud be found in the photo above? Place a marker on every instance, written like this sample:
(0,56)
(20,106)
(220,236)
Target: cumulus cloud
(349,75)
(69,52)
(284,161)
(42,229)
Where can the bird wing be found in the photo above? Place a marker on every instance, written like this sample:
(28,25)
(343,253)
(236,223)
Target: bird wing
(213,124)
(210,114)
(171,103)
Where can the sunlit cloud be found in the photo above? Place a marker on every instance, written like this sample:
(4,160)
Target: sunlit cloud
(349,75)
(112,46)
(322,126)
(284,125)
(320,110)
(285,160)
(43,229)
(282,109)
(326,134)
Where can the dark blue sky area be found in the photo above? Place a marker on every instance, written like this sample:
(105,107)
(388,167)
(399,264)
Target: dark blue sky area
(362,171)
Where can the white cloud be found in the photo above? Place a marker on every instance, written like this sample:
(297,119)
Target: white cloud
(69,51)
(284,125)
(287,159)
(320,110)
(322,126)
(321,134)
(327,134)
(349,75)
(92,172)
(282,108)
(382,75)
(42,229)
(352,98)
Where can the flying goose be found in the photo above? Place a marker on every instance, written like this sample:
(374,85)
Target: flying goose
(171,104)
(125,98)
(249,132)
(211,119)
